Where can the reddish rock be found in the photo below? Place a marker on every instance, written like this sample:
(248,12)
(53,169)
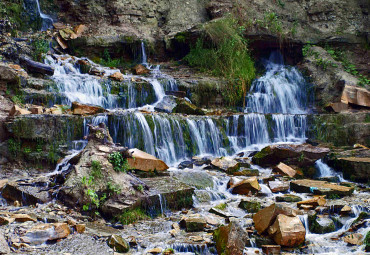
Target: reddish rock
(16,110)
(117,76)
(145,162)
(140,70)
(79,29)
(46,232)
(36,110)
(287,231)
(226,164)
(314,202)
(271,249)
(278,186)
(246,186)
(285,170)
(83,109)
(354,239)
(356,95)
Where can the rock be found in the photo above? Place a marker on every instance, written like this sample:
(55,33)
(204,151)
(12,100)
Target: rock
(80,228)
(54,110)
(172,104)
(28,194)
(16,110)
(250,206)
(353,168)
(356,95)
(36,67)
(220,213)
(320,188)
(288,198)
(265,217)
(354,239)
(145,162)
(226,164)
(287,231)
(337,107)
(5,220)
(200,161)
(278,186)
(193,223)
(246,186)
(23,218)
(79,29)
(155,250)
(286,170)
(180,94)
(36,110)
(294,154)
(46,232)
(231,239)
(59,25)
(117,76)
(67,34)
(346,210)
(246,172)
(271,249)
(84,109)
(185,164)
(317,201)
(117,243)
(140,70)
(62,43)
(320,225)
(4,247)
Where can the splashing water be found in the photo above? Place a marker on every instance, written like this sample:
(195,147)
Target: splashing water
(47,21)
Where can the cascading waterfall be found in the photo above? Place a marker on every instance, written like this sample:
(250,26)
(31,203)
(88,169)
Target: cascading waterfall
(327,171)
(47,21)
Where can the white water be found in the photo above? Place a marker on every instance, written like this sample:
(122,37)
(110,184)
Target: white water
(47,20)
(327,171)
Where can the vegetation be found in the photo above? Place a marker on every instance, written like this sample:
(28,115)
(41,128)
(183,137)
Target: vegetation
(119,163)
(221,206)
(133,216)
(96,169)
(40,47)
(223,51)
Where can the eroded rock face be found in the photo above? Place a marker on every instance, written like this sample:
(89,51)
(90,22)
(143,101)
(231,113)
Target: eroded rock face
(299,155)
(356,95)
(231,239)
(287,231)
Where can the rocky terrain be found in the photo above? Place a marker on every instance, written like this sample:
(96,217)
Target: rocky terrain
(196,127)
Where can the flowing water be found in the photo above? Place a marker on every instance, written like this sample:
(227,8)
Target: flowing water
(276,109)
(47,21)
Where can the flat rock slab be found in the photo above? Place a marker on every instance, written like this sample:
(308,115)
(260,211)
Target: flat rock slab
(26,194)
(320,187)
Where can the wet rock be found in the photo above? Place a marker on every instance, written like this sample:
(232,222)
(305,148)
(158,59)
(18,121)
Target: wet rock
(80,228)
(36,110)
(155,250)
(36,67)
(172,104)
(200,180)
(250,206)
(246,186)
(23,218)
(117,243)
(16,110)
(314,202)
(4,220)
(140,70)
(287,231)
(278,186)
(356,95)
(193,223)
(320,224)
(117,76)
(354,239)
(336,107)
(231,239)
(246,172)
(271,249)
(67,34)
(4,248)
(200,161)
(291,154)
(219,212)
(226,164)
(84,109)
(285,169)
(145,162)
(346,210)
(265,217)
(288,198)
(185,164)
(320,188)
(25,192)
(46,232)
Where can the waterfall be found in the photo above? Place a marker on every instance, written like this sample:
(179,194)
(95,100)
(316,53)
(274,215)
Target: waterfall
(144,59)
(47,21)
(327,171)
(281,90)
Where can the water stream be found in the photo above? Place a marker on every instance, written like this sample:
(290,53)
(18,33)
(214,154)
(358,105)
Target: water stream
(47,21)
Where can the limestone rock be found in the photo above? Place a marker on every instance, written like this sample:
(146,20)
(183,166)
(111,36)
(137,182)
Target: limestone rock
(84,109)
(28,194)
(287,231)
(36,110)
(118,244)
(337,107)
(285,169)
(193,223)
(145,162)
(294,154)
(226,164)
(320,224)
(4,247)
(172,104)
(356,95)
(354,239)
(23,218)
(271,249)
(246,186)
(278,186)
(79,29)
(250,206)
(16,110)
(317,201)
(46,232)
(157,250)
(80,228)
(288,198)
(231,239)
(320,188)
(117,76)
(265,217)
(140,70)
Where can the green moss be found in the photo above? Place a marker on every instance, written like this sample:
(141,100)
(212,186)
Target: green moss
(133,216)
(220,236)
(221,206)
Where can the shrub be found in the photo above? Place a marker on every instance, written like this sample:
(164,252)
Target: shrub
(119,163)
(133,216)
(40,47)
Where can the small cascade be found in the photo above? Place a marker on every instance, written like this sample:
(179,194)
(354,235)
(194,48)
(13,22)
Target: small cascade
(47,21)
(163,206)
(144,58)
(282,89)
(327,171)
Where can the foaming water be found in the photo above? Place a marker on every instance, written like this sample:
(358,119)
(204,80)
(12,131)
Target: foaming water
(327,171)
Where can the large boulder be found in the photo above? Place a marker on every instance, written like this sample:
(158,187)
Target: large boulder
(118,244)
(245,187)
(287,231)
(172,104)
(226,164)
(265,217)
(84,109)
(17,110)
(292,154)
(320,188)
(356,95)
(285,170)
(231,239)
(145,162)
(193,223)
(46,232)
